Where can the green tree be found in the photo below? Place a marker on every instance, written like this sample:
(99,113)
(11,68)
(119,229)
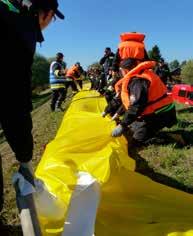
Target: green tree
(40,71)
(183,63)
(51,59)
(95,65)
(154,53)
(187,72)
(174,64)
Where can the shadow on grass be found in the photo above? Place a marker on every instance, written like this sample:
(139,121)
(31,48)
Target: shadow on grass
(180,138)
(143,168)
(10,230)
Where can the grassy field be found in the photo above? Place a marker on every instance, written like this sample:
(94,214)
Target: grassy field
(39,99)
(169,160)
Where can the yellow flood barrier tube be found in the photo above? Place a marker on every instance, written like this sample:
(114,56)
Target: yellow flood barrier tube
(131,204)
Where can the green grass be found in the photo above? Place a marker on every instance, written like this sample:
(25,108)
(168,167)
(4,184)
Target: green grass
(39,99)
(173,159)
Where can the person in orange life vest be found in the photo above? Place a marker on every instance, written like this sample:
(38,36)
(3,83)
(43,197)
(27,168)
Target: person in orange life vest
(80,72)
(131,46)
(73,73)
(148,107)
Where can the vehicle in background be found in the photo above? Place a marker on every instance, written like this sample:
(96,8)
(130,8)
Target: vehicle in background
(183,93)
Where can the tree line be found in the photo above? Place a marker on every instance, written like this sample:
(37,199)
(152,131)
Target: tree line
(40,73)
(185,66)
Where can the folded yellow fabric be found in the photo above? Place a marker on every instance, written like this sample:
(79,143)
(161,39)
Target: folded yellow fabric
(131,204)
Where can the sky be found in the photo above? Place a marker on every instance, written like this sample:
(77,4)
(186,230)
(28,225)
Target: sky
(92,25)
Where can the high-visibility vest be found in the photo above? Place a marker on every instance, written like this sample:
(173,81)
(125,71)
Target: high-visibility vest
(157,91)
(56,81)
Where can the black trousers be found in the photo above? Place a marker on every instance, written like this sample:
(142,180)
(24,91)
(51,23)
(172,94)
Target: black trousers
(58,96)
(145,129)
(71,84)
(17,129)
(1,185)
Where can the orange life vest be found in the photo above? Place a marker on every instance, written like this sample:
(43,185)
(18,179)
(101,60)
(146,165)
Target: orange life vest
(136,70)
(71,72)
(157,91)
(118,86)
(131,46)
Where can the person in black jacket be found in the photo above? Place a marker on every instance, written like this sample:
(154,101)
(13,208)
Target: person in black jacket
(106,62)
(81,73)
(163,71)
(21,23)
(143,127)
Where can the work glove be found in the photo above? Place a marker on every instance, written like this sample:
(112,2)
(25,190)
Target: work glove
(117,95)
(110,88)
(103,114)
(118,131)
(23,180)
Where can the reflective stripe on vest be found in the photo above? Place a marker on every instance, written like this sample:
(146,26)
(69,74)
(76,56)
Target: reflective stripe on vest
(11,7)
(57,86)
(56,80)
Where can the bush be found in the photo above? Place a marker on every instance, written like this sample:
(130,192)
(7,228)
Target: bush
(187,72)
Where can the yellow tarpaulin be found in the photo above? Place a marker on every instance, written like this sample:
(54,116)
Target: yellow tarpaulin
(131,204)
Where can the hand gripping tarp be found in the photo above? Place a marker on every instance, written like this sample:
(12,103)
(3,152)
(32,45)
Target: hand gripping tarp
(130,203)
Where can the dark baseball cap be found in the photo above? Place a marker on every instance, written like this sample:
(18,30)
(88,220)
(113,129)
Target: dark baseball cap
(107,49)
(59,55)
(50,5)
